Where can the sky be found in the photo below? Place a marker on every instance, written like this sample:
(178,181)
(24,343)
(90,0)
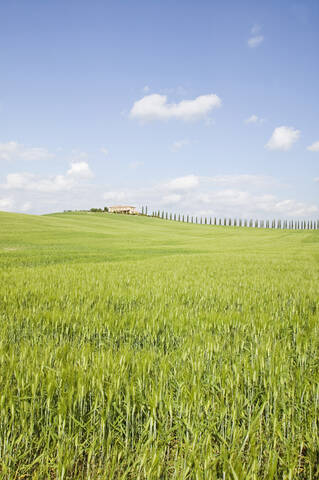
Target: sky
(195,107)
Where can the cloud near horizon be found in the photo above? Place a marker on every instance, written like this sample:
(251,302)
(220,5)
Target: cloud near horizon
(77,172)
(11,151)
(240,196)
(156,107)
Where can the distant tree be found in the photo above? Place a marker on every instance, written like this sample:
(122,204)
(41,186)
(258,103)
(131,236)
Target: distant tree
(146,210)
(106,209)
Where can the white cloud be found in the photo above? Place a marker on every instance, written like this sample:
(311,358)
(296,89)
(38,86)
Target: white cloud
(78,172)
(80,169)
(6,204)
(35,183)
(283,138)
(255,41)
(254,119)
(316,179)
(183,183)
(14,151)
(314,147)
(240,196)
(25,207)
(179,144)
(242,180)
(235,196)
(105,151)
(155,107)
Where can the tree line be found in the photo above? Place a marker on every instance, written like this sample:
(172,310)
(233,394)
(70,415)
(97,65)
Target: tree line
(236,222)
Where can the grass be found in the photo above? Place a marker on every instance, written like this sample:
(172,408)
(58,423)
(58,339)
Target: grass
(135,348)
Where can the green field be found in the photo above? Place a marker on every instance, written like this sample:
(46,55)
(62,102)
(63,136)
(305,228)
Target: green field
(138,348)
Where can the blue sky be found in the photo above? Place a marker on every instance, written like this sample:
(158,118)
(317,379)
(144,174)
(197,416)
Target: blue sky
(207,108)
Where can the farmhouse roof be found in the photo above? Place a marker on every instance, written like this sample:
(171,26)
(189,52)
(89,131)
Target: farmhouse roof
(122,206)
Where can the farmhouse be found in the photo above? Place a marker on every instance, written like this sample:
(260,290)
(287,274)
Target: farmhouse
(123,209)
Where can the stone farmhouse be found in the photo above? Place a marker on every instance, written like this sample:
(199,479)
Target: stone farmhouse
(123,209)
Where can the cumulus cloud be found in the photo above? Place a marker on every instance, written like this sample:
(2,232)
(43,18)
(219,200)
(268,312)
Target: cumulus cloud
(283,138)
(241,196)
(253,42)
(183,183)
(179,144)
(156,107)
(254,119)
(14,151)
(80,170)
(314,147)
(256,38)
(25,207)
(35,183)
(6,204)
(28,181)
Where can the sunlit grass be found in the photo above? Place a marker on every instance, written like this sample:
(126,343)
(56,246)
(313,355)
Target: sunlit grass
(143,349)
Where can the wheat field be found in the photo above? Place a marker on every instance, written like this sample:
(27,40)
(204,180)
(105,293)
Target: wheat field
(139,348)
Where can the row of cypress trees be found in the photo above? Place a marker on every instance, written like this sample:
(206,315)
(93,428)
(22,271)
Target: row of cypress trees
(234,222)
